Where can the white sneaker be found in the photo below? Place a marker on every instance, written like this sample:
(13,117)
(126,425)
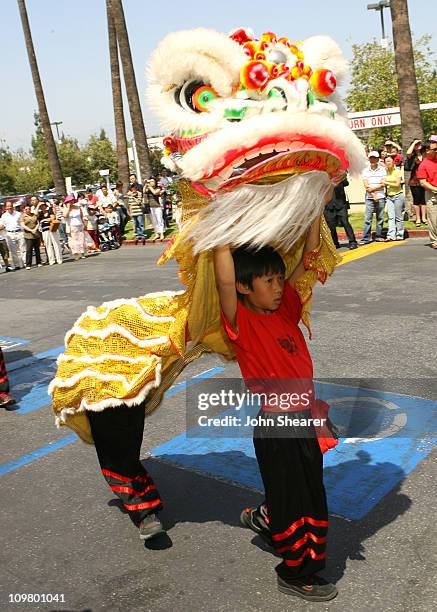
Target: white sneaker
(27,267)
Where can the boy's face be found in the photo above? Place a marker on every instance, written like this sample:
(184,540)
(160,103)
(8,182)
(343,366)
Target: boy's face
(266,294)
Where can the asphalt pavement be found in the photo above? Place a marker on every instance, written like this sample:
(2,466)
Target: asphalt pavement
(64,534)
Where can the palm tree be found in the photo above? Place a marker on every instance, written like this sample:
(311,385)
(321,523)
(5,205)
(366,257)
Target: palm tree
(406,75)
(131,89)
(57,174)
(120,126)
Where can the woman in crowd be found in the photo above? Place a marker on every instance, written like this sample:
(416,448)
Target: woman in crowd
(48,226)
(30,224)
(75,221)
(395,200)
(414,159)
(153,193)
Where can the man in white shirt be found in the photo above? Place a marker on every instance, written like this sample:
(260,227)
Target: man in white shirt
(105,199)
(375,198)
(10,222)
(99,191)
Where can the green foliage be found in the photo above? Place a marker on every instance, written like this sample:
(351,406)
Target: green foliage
(30,174)
(73,161)
(6,171)
(374,84)
(22,172)
(155,158)
(100,154)
(38,145)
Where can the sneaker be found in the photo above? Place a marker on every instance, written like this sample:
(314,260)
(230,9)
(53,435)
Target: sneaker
(311,588)
(256,520)
(6,400)
(27,267)
(364,242)
(150,527)
(39,265)
(380,239)
(352,246)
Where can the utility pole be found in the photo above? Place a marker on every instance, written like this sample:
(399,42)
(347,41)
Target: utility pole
(380,6)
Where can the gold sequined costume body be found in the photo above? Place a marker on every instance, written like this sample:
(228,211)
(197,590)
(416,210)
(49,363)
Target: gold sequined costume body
(130,351)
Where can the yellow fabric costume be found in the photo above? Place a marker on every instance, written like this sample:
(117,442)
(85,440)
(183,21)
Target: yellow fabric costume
(131,350)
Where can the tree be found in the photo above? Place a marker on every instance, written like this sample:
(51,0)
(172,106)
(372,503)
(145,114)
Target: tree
(74,162)
(156,156)
(117,101)
(405,72)
(99,153)
(7,174)
(45,121)
(374,84)
(30,174)
(131,89)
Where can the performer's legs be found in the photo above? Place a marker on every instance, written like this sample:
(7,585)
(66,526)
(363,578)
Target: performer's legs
(118,434)
(292,473)
(5,398)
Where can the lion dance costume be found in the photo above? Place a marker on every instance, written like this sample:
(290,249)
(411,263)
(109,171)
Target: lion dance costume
(257,135)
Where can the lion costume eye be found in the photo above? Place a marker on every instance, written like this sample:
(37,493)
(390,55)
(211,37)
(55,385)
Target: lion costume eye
(277,93)
(195,96)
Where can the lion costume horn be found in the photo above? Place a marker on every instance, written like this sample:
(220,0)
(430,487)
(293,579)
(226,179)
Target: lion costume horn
(257,138)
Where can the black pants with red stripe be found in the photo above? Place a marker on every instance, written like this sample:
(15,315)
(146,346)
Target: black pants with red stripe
(118,435)
(292,473)
(4,382)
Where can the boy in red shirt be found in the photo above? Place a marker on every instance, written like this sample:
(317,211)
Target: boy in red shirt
(261,312)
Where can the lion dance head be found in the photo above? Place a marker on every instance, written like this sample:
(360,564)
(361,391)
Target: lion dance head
(256,126)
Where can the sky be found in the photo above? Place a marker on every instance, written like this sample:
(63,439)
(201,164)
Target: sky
(71,46)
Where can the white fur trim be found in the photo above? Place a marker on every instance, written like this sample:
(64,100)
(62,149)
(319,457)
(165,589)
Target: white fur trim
(199,161)
(324,52)
(262,214)
(115,329)
(62,383)
(101,358)
(93,314)
(111,402)
(201,54)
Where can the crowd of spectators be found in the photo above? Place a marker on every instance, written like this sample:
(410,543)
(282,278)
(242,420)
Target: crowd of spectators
(85,223)
(383,184)
(89,223)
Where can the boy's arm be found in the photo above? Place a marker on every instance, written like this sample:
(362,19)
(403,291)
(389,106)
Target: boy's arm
(225,281)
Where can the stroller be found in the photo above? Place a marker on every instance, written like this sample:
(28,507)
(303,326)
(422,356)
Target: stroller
(106,235)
